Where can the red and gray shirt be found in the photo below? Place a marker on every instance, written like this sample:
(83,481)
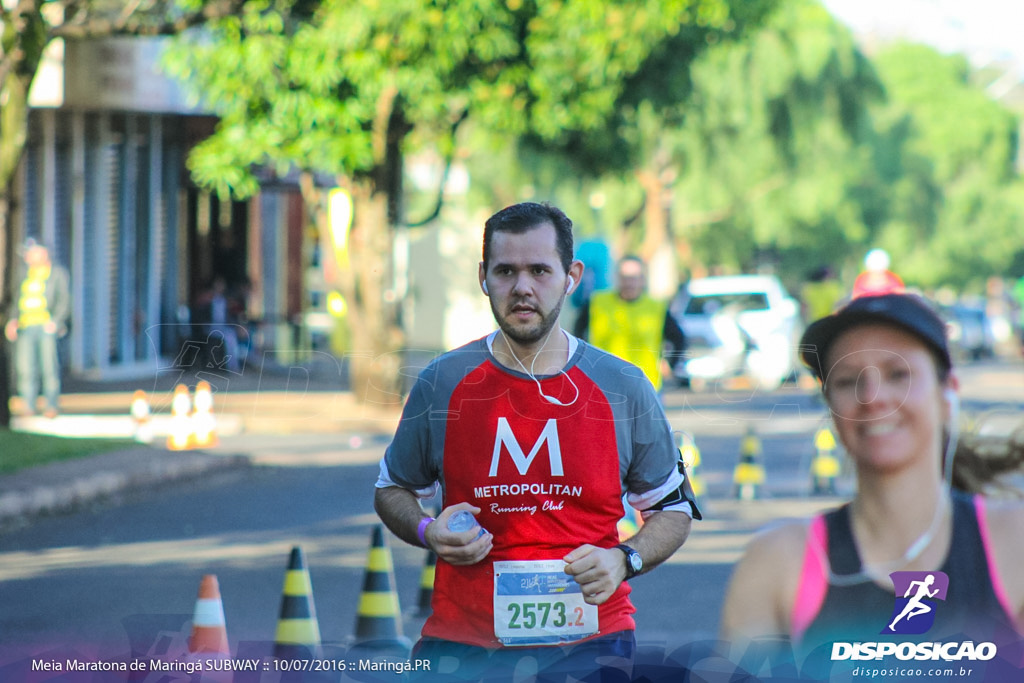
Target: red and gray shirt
(547,477)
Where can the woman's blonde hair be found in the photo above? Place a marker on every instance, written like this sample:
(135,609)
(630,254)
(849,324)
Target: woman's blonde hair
(981,462)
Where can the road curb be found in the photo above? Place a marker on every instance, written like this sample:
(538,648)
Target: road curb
(63,486)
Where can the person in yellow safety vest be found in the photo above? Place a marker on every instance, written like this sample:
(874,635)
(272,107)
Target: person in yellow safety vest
(37,318)
(630,324)
(820,294)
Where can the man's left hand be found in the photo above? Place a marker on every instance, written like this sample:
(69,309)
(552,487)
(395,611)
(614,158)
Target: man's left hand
(598,571)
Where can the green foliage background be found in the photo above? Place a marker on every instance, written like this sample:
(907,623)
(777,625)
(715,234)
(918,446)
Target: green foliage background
(784,145)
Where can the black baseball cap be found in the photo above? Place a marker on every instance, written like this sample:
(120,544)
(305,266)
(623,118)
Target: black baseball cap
(910,312)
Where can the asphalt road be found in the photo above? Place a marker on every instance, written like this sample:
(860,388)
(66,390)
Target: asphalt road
(123,575)
(76,579)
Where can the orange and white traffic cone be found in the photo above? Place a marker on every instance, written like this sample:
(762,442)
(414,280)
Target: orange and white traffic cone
(209,632)
(204,424)
(180,436)
(209,639)
(141,417)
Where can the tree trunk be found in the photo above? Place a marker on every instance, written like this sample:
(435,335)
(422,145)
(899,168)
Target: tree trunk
(363,274)
(13,134)
(656,249)
(377,338)
(6,260)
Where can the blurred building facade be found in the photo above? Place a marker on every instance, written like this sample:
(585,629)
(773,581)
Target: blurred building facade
(104,183)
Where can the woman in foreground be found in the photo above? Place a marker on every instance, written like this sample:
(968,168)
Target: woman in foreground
(848,576)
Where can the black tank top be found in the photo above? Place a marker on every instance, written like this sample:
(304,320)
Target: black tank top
(862,611)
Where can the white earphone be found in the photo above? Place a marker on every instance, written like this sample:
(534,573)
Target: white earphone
(953,402)
(484,285)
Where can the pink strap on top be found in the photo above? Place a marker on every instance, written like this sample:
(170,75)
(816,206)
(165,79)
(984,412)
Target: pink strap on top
(993,570)
(810,593)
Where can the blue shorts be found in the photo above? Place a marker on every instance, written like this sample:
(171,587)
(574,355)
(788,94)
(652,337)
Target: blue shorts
(605,659)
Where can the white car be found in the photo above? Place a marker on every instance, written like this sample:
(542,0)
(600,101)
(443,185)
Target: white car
(738,325)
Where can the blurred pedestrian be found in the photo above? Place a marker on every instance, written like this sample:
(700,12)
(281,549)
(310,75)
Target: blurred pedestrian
(876,278)
(631,324)
(218,317)
(1018,295)
(918,511)
(542,576)
(820,294)
(37,319)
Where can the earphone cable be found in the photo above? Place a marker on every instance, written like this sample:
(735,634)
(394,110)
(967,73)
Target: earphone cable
(533,365)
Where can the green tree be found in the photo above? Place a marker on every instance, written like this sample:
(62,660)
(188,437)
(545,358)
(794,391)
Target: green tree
(626,164)
(351,90)
(968,141)
(777,158)
(27,27)
(761,145)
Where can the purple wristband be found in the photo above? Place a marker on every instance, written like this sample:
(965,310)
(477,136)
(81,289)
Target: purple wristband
(421,530)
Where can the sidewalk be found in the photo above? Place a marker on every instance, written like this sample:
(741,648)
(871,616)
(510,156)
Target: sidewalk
(257,403)
(63,486)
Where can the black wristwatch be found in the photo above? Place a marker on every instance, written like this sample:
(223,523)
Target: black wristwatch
(634,563)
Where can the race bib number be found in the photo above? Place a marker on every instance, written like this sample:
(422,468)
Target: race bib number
(537,603)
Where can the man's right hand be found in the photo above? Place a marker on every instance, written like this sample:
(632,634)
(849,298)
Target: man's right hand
(11,330)
(458,548)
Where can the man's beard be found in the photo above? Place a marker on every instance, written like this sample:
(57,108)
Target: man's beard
(528,335)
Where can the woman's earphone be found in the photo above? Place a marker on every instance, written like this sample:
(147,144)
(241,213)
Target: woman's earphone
(952,433)
(953,400)
(567,286)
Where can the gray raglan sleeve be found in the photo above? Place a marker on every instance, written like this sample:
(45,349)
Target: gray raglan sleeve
(654,475)
(410,460)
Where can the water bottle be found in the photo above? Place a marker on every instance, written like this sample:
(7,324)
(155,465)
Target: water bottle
(463,520)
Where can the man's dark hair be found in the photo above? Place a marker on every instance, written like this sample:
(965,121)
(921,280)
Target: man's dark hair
(519,218)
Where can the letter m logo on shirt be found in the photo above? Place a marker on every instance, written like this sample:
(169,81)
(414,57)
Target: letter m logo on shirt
(505,437)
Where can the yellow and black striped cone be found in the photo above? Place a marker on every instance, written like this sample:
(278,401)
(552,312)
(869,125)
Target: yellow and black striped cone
(749,475)
(298,633)
(825,466)
(423,607)
(379,618)
(690,455)
(629,524)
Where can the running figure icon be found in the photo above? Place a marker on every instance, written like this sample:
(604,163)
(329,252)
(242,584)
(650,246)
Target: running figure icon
(915,606)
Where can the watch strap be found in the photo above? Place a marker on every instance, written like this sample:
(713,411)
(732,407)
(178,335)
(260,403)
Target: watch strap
(631,571)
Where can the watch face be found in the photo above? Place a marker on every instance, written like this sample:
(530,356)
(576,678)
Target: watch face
(636,561)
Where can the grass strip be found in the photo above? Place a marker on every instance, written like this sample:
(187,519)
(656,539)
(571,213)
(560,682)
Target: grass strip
(19,450)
